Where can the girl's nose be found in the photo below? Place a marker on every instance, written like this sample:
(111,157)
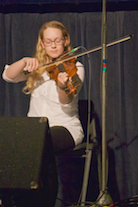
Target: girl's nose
(53,44)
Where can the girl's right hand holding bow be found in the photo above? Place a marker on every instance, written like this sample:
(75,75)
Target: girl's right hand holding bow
(15,70)
(31,64)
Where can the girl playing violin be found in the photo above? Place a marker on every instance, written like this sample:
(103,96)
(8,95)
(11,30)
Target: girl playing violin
(49,98)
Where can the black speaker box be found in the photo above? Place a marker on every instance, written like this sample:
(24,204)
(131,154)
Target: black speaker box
(26,155)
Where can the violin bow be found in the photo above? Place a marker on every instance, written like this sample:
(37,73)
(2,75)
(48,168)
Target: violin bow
(58,60)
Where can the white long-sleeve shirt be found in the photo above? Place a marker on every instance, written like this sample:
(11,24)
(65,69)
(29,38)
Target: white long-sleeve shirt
(44,102)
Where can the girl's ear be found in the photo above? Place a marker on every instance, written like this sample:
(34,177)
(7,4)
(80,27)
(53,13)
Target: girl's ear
(66,41)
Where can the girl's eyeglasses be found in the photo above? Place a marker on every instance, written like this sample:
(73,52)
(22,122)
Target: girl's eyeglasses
(57,41)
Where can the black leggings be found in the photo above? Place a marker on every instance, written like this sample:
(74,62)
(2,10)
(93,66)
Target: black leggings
(62,139)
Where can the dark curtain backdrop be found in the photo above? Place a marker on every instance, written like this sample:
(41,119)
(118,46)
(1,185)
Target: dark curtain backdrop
(18,36)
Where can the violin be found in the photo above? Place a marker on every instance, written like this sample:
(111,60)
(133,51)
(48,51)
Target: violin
(70,68)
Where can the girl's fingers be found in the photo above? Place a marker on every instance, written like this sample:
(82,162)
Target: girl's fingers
(32,64)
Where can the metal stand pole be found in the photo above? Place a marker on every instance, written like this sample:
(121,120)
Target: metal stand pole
(104,197)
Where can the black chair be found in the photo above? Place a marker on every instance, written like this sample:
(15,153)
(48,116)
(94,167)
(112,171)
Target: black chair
(80,157)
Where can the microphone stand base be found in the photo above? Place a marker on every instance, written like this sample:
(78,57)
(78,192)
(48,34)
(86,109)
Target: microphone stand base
(104,199)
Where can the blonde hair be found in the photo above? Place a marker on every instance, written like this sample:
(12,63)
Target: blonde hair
(41,55)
